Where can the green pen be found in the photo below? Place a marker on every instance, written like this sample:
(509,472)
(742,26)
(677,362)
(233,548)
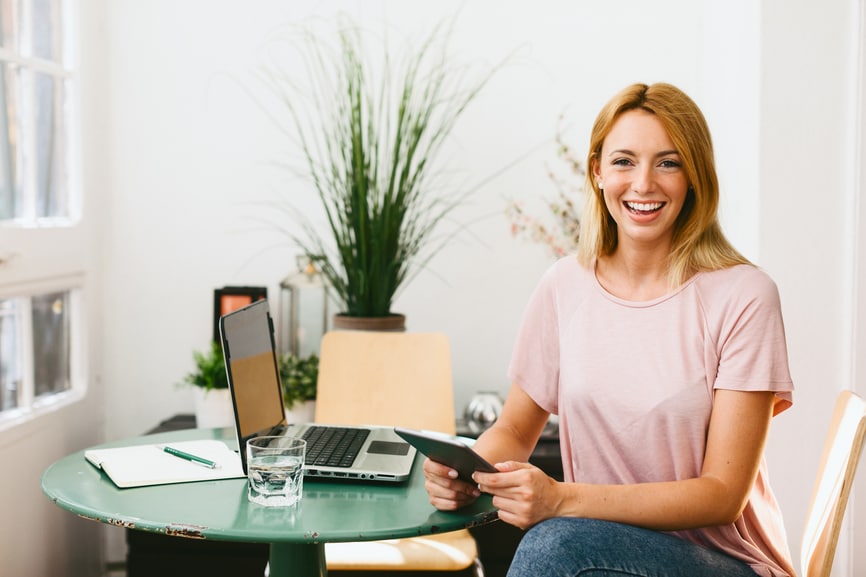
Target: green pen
(189,457)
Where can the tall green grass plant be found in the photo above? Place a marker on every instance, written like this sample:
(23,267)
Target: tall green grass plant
(369,130)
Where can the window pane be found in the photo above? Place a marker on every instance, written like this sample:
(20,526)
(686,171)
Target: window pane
(50,154)
(50,343)
(10,188)
(7,21)
(10,355)
(43,30)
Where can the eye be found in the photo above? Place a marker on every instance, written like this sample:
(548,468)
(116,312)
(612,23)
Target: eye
(669,163)
(621,162)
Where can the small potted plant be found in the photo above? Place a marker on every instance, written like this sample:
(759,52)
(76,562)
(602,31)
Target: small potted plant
(213,403)
(299,376)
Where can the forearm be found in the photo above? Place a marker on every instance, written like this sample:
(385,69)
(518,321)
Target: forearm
(502,442)
(735,444)
(717,496)
(514,435)
(668,506)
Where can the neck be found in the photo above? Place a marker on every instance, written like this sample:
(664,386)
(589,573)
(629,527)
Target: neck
(634,275)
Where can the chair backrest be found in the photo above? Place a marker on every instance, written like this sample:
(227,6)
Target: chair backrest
(833,484)
(384,378)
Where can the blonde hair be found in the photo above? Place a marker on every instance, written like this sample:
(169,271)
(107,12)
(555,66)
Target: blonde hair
(698,241)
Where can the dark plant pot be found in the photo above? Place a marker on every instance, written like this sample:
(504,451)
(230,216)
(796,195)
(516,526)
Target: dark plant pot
(391,323)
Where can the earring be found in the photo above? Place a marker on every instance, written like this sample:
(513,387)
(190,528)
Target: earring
(600,184)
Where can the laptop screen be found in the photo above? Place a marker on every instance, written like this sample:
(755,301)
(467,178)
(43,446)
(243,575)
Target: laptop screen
(248,347)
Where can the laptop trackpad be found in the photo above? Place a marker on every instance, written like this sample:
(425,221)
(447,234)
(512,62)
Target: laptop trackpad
(388,448)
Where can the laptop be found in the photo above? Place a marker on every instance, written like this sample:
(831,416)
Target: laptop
(369,453)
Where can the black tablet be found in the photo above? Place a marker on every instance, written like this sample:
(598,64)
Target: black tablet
(448,451)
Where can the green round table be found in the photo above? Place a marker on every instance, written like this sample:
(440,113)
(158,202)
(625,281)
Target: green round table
(219,510)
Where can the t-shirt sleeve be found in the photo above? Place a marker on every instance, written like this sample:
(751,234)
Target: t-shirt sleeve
(534,363)
(754,354)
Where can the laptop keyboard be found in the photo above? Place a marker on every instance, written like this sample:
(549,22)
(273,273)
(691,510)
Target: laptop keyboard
(333,446)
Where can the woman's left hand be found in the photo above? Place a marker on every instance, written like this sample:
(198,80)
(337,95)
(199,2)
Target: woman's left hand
(524,494)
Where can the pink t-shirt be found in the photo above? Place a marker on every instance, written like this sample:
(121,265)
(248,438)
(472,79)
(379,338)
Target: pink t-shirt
(632,383)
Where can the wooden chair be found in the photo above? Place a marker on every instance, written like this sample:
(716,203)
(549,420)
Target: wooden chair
(836,474)
(392,379)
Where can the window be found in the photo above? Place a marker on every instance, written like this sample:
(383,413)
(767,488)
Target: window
(34,348)
(41,246)
(35,82)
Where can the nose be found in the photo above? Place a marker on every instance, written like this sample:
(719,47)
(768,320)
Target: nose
(643,180)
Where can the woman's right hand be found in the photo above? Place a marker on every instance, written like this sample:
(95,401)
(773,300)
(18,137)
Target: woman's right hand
(511,438)
(447,492)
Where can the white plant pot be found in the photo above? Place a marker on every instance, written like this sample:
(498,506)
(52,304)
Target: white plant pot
(301,412)
(213,408)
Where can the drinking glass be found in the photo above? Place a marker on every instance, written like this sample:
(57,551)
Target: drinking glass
(275,469)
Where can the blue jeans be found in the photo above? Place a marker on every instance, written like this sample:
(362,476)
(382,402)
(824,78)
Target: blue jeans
(572,547)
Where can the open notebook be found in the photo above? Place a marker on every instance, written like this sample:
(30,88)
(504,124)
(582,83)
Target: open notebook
(142,465)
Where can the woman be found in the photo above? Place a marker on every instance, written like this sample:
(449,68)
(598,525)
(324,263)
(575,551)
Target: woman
(662,350)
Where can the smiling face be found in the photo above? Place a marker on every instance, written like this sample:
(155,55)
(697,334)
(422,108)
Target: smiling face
(643,181)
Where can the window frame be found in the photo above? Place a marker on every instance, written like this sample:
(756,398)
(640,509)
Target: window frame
(52,254)
(30,406)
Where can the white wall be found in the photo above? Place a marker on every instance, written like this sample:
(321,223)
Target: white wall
(809,158)
(858,315)
(186,179)
(190,180)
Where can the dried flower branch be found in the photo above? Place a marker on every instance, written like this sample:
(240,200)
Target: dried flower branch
(560,233)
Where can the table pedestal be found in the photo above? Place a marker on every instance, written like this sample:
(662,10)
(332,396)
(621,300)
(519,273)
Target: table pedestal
(300,559)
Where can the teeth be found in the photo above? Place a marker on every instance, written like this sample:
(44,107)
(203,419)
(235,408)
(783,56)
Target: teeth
(644,206)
